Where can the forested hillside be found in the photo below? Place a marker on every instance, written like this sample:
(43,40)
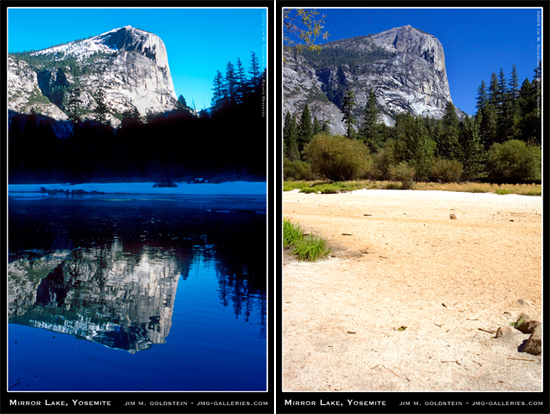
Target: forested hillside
(501,143)
(226,142)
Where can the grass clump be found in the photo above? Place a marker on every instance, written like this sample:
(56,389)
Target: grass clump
(503,192)
(308,247)
(311,248)
(292,233)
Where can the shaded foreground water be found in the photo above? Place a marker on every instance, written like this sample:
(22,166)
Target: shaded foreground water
(137,293)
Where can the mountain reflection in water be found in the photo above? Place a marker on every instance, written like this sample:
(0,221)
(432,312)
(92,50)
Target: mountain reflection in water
(118,286)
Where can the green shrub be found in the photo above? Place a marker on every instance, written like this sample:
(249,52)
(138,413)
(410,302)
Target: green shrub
(332,188)
(446,171)
(297,170)
(514,161)
(403,172)
(310,248)
(329,190)
(338,158)
(383,160)
(293,185)
(309,190)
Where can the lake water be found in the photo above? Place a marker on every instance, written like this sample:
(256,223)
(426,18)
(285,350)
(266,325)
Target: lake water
(137,293)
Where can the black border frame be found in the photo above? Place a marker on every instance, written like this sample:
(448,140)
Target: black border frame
(390,402)
(217,402)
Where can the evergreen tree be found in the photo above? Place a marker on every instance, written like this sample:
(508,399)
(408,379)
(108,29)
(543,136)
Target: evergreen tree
(182,102)
(447,146)
(101,109)
(74,106)
(510,117)
(502,87)
(347,108)
(369,132)
(530,111)
(489,125)
(218,89)
(305,131)
(472,153)
(241,80)
(316,126)
(494,96)
(481,95)
(514,83)
(413,144)
(326,126)
(231,83)
(290,138)
(254,72)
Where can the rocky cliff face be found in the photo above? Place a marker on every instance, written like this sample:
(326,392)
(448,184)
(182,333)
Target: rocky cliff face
(404,66)
(128,64)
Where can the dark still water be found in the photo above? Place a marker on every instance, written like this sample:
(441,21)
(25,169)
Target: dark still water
(137,293)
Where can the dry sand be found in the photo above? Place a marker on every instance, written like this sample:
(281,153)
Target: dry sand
(405,301)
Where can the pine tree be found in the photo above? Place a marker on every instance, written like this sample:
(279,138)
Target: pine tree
(502,86)
(290,138)
(305,131)
(254,72)
(529,104)
(514,83)
(231,83)
(510,116)
(481,95)
(369,132)
(347,108)
(218,89)
(316,126)
(502,105)
(494,97)
(472,153)
(241,80)
(447,147)
(182,102)
(325,127)
(101,109)
(413,144)
(74,106)
(489,125)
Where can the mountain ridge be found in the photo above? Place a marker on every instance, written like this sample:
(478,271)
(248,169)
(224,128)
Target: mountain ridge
(130,65)
(404,66)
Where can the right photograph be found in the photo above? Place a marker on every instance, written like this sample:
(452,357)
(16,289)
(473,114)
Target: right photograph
(412,200)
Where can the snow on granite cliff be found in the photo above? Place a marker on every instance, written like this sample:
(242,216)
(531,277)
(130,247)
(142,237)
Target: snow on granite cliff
(129,64)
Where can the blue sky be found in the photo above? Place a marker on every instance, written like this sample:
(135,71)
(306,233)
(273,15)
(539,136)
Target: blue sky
(476,42)
(198,41)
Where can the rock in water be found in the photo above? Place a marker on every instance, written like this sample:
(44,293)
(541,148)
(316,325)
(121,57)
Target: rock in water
(404,66)
(130,65)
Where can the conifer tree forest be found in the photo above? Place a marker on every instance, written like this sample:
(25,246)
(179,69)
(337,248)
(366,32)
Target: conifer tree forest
(501,143)
(223,143)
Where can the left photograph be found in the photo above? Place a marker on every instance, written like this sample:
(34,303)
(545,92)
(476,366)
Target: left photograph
(137,201)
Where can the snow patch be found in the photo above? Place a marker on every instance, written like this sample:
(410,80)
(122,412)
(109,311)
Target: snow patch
(234,188)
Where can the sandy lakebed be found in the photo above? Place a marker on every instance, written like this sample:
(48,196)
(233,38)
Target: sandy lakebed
(410,299)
